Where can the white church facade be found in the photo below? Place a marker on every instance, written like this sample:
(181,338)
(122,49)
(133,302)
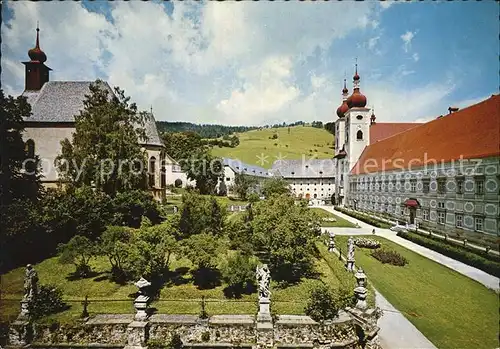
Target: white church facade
(54,105)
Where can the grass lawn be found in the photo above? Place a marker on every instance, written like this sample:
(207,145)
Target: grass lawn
(179,295)
(302,140)
(340,223)
(451,310)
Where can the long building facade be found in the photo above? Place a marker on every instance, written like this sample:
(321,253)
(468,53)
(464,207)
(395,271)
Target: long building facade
(442,175)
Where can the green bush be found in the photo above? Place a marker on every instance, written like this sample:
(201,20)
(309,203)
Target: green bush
(178,183)
(48,301)
(322,304)
(364,218)
(238,272)
(389,257)
(455,252)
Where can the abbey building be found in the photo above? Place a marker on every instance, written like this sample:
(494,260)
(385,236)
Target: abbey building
(443,174)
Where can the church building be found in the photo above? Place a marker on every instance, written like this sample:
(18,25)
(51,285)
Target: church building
(54,105)
(443,174)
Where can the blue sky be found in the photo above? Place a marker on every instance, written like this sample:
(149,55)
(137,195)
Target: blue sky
(256,63)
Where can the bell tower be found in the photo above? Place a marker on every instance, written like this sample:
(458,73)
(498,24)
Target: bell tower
(36,72)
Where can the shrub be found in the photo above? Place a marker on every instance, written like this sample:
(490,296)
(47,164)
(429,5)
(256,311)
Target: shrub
(178,183)
(389,257)
(456,252)
(78,251)
(238,272)
(156,344)
(48,301)
(321,304)
(366,243)
(130,206)
(365,218)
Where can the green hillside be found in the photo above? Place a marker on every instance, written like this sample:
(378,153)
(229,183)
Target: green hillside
(258,144)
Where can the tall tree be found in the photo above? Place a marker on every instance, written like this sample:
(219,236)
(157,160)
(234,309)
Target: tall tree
(19,177)
(242,184)
(204,169)
(181,145)
(275,186)
(105,150)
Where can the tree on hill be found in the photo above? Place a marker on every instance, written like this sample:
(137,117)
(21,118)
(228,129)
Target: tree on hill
(19,177)
(181,145)
(104,151)
(330,127)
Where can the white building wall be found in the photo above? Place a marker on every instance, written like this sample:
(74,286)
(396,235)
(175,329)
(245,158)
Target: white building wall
(387,192)
(48,147)
(320,188)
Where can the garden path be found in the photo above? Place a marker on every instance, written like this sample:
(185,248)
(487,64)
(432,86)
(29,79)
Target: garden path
(480,276)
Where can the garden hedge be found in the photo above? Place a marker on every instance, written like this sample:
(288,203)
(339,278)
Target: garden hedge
(455,252)
(365,218)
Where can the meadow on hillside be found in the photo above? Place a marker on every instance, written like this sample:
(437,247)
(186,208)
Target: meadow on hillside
(259,147)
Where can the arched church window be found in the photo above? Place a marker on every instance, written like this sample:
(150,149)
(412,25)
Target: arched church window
(163,177)
(359,135)
(30,148)
(151,172)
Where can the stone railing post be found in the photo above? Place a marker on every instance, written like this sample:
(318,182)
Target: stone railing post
(331,245)
(265,333)
(137,330)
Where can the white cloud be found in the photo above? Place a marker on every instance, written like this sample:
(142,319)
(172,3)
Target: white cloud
(407,38)
(234,63)
(415,57)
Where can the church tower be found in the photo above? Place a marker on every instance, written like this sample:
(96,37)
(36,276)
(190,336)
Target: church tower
(357,123)
(36,72)
(340,147)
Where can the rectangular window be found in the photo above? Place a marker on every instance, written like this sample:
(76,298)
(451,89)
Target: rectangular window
(413,186)
(425,188)
(386,186)
(441,204)
(402,185)
(459,220)
(441,186)
(228,179)
(393,185)
(460,186)
(425,215)
(478,222)
(479,187)
(441,217)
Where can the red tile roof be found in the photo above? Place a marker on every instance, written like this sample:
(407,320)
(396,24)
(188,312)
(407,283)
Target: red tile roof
(379,131)
(470,133)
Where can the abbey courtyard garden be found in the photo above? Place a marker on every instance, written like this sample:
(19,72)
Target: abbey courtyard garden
(97,260)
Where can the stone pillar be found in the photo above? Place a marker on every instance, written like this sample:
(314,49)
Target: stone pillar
(331,245)
(137,335)
(20,334)
(360,291)
(264,328)
(141,302)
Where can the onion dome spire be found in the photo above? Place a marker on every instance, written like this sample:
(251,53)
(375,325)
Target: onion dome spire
(372,117)
(356,99)
(343,107)
(36,54)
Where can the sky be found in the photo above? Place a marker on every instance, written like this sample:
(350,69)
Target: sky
(257,63)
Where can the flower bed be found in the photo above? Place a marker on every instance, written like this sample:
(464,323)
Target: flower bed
(366,243)
(389,257)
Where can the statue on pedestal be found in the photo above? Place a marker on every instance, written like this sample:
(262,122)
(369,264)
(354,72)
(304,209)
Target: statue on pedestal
(30,283)
(263,280)
(350,254)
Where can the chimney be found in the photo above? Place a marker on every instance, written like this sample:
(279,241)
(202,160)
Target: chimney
(452,109)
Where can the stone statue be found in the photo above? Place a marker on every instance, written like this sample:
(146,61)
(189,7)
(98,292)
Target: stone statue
(350,254)
(263,280)
(331,245)
(350,248)
(30,283)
